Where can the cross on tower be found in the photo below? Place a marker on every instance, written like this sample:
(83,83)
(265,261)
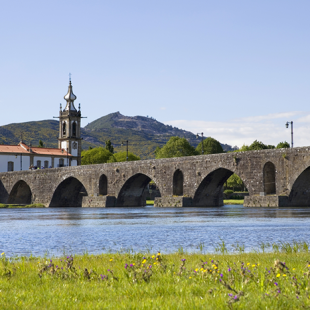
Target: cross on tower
(69,77)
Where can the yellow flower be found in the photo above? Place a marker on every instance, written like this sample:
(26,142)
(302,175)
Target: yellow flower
(190,277)
(284,275)
(2,253)
(253,265)
(293,268)
(153,256)
(215,267)
(278,275)
(308,265)
(248,264)
(133,263)
(143,262)
(196,269)
(156,258)
(205,270)
(201,269)
(111,259)
(257,264)
(158,253)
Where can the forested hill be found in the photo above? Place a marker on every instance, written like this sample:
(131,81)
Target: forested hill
(143,133)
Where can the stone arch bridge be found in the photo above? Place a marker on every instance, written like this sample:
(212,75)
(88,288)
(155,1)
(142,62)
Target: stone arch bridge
(278,177)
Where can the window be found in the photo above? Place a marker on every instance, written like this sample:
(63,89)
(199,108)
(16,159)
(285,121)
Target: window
(74,129)
(46,164)
(61,162)
(10,166)
(39,164)
(64,129)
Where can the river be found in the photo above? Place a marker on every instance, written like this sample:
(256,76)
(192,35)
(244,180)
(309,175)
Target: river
(55,231)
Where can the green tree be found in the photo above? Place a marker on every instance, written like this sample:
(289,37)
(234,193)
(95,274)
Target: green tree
(121,156)
(283,145)
(210,146)
(97,155)
(109,146)
(234,181)
(175,147)
(257,145)
(41,144)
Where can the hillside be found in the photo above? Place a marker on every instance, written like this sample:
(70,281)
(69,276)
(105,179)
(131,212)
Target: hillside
(143,133)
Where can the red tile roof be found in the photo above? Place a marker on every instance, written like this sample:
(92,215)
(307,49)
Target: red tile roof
(25,149)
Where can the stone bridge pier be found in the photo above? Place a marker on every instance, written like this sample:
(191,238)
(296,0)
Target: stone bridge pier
(273,178)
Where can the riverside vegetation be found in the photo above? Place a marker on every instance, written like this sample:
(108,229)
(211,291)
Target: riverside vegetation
(257,280)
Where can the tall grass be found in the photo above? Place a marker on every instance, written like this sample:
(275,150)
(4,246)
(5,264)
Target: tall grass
(275,280)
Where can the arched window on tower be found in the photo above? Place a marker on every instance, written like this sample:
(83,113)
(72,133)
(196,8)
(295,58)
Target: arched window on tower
(74,129)
(64,129)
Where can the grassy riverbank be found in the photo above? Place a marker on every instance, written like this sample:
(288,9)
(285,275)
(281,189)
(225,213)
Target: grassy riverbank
(11,206)
(276,280)
(233,202)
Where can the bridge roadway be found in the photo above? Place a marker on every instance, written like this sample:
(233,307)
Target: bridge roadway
(274,178)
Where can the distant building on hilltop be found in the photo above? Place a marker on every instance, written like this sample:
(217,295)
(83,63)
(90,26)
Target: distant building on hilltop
(24,157)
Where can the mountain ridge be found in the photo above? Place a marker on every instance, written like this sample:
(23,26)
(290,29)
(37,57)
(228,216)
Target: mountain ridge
(143,133)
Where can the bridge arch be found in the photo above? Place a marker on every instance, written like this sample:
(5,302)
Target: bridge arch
(269,178)
(210,190)
(69,193)
(131,193)
(178,180)
(103,185)
(300,192)
(20,193)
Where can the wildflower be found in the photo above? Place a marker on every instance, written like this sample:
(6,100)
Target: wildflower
(62,267)
(248,264)
(196,269)
(153,256)
(144,257)
(253,265)
(2,253)
(229,270)
(293,268)
(133,263)
(111,259)
(50,260)
(158,253)
(230,295)
(278,275)
(221,275)
(215,267)
(143,262)
(308,265)
(190,277)
(150,266)
(236,297)
(126,265)
(183,259)
(284,275)
(276,284)
(201,269)
(109,270)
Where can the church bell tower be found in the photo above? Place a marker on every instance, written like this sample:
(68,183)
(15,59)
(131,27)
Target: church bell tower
(69,128)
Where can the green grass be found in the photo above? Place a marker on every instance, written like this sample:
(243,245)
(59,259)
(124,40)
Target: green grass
(11,206)
(278,280)
(233,202)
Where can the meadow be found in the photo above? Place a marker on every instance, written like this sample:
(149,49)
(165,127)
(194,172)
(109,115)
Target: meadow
(258,280)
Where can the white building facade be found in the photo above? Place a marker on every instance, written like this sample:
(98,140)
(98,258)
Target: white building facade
(24,157)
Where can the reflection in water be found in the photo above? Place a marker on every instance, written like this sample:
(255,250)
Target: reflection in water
(96,230)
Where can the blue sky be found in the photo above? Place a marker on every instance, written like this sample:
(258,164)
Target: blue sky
(235,70)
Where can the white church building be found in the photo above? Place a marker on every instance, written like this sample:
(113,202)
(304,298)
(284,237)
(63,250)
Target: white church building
(24,157)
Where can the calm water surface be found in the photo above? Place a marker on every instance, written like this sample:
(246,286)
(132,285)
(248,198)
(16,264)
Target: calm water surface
(55,231)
